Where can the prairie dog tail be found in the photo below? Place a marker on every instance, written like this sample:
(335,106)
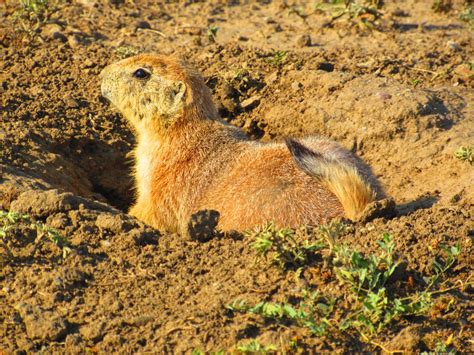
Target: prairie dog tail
(342,179)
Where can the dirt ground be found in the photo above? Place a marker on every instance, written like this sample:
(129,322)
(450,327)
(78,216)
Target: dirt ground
(396,88)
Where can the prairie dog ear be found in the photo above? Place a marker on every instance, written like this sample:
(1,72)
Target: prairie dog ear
(174,96)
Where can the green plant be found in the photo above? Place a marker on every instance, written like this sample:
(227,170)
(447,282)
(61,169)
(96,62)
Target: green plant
(278,58)
(415,82)
(467,15)
(442,265)
(281,243)
(254,347)
(332,231)
(442,5)
(34,6)
(366,13)
(212,33)
(9,219)
(376,310)
(367,277)
(373,306)
(199,352)
(311,312)
(466,154)
(365,274)
(32,14)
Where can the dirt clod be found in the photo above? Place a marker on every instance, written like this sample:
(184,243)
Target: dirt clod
(304,40)
(42,324)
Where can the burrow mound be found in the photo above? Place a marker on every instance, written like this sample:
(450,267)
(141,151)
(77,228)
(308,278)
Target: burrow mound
(125,287)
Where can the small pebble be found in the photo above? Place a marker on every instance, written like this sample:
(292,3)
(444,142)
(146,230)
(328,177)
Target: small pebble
(296,85)
(304,40)
(72,103)
(143,24)
(329,67)
(453,46)
(269,80)
(251,102)
(384,95)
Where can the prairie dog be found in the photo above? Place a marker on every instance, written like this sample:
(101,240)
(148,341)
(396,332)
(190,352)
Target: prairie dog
(187,159)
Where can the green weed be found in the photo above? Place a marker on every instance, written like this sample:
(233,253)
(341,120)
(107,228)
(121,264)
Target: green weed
(32,14)
(278,59)
(34,6)
(467,15)
(286,251)
(199,352)
(211,33)
(311,312)
(441,266)
(415,82)
(365,13)
(465,154)
(365,274)
(9,219)
(332,231)
(254,347)
(373,307)
(442,5)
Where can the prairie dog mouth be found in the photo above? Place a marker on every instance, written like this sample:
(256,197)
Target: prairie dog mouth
(105,92)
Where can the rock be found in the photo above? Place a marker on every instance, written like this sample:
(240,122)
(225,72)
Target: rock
(407,340)
(72,103)
(59,36)
(296,85)
(304,40)
(269,80)
(329,67)
(453,46)
(42,324)
(74,343)
(193,30)
(114,223)
(464,72)
(139,321)
(400,13)
(384,95)
(143,24)
(112,340)
(93,331)
(74,41)
(38,203)
(202,225)
(250,103)
(42,204)
(53,31)
(383,208)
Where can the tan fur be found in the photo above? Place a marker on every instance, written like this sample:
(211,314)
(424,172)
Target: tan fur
(348,186)
(188,160)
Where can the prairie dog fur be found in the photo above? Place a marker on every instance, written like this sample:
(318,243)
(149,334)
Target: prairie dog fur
(187,159)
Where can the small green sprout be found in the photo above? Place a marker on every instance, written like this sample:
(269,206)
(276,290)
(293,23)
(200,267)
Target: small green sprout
(254,347)
(278,59)
(286,251)
(212,33)
(465,154)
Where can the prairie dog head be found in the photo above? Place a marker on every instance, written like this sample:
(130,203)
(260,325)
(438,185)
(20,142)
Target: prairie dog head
(156,92)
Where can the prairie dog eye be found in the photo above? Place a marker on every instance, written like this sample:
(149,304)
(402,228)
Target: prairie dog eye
(141,74)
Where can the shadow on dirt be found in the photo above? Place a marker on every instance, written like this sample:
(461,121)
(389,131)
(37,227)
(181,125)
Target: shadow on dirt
(421,203)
